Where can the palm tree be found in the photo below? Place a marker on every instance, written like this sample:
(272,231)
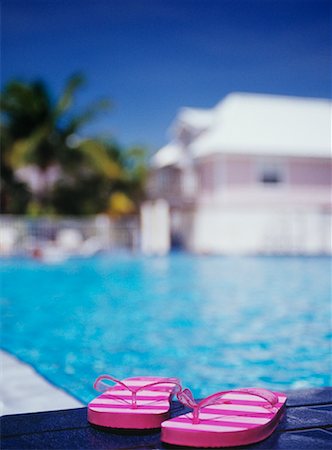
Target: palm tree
(42,148)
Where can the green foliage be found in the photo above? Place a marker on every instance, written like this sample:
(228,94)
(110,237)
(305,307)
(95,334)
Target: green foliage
(25,107)
(43,134)
(80,197)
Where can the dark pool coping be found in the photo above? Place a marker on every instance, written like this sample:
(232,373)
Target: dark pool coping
(306,425)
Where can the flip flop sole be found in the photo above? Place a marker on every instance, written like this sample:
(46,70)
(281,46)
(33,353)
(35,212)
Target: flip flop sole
(138,421)
(113,409)
(222,427)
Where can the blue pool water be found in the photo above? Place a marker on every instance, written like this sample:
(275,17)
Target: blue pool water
(215,322)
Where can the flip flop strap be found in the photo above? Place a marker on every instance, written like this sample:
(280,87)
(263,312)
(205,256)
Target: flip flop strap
(158,385)
(187,399)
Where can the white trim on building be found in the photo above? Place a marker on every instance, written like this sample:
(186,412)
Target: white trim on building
(256,124)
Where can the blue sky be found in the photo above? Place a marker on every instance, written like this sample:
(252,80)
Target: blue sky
(150,57)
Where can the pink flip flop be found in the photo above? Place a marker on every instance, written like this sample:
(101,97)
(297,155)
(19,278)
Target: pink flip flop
(225,419)
(133,403)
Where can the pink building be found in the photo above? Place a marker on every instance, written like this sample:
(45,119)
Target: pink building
(252,175)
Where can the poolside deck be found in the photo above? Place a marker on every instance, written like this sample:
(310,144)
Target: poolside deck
(23,390)
(307,424)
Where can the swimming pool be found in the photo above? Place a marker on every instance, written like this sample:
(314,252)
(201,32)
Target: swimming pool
(215,322)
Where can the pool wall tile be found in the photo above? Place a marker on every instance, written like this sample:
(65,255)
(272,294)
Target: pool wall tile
(304,417)
(304,397)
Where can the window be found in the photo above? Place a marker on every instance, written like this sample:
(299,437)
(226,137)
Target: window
(271,176)
(271,173)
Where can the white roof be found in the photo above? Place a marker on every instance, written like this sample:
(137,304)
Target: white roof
(259,124)
(166,156)
(195,118)
(268,124)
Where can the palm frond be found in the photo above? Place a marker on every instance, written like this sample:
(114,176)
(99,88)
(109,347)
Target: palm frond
(66,99)
(22,149)
(99,158)
(78,121)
